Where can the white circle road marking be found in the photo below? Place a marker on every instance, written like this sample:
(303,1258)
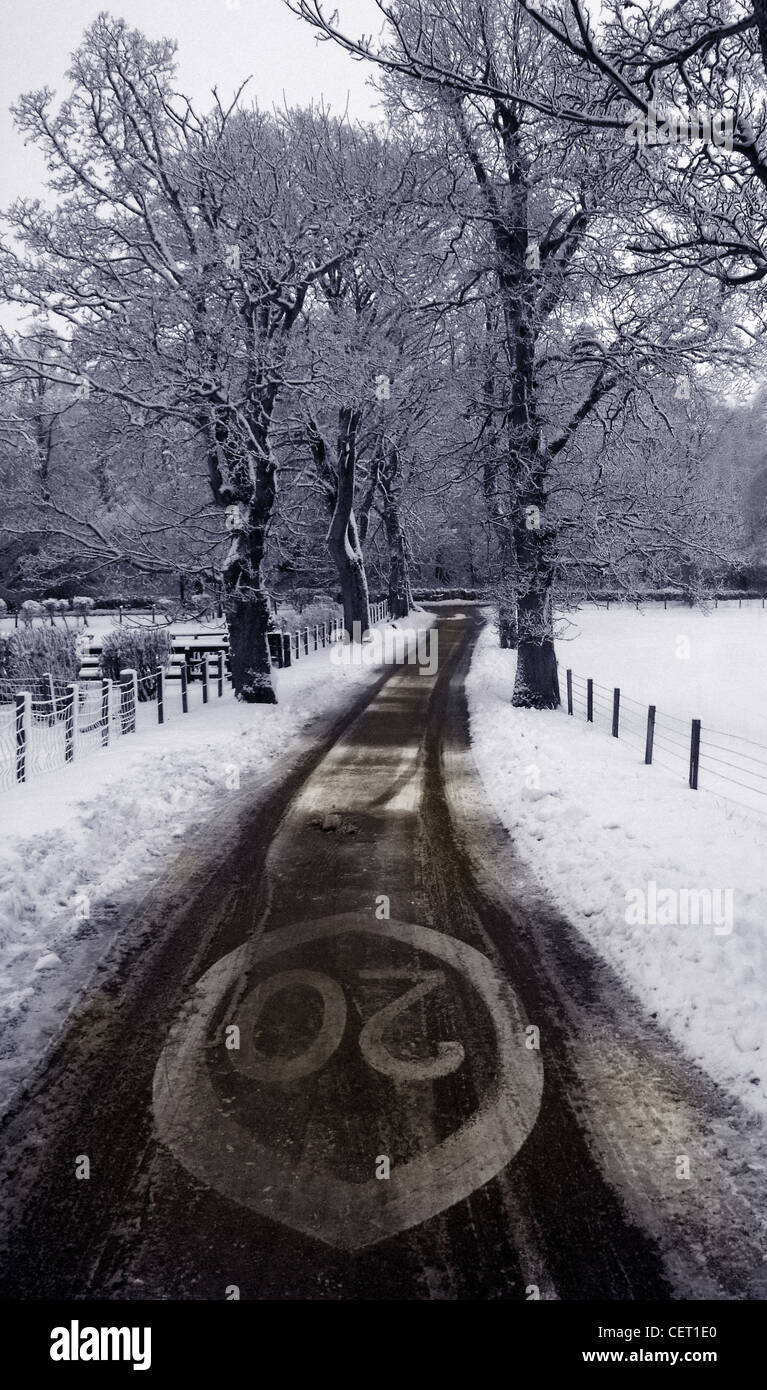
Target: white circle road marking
(211,1145)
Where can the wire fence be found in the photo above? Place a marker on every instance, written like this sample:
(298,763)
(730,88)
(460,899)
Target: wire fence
(46,724)
(289,646)
(729,766)
(39,735)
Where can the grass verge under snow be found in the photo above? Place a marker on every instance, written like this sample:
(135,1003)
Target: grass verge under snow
(597,825)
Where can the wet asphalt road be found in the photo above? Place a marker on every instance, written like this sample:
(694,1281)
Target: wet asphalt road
(352,1064)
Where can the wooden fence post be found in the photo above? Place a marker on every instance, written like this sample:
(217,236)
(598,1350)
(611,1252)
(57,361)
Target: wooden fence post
(72,710)
(306,641)
(106,710)
(694,753)
(323,634)
(274,643)
(128,700)
(316,636)
(205,679)
(650,739)
(616,710)
(287,654)
(23,708)
(221,675)
(569,691)
(184,690)
(160,697)
(590,700)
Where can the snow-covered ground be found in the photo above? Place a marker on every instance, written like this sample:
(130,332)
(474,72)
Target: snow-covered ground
(75,839)
(630,853)
(691,664)
(709,665)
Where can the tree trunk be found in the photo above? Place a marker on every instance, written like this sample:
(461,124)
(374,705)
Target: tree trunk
(507,594)
(347,554)
(343,539)
(537,682)
(508,631)
(498,507)
(246,606)
(241,473)
(400,592)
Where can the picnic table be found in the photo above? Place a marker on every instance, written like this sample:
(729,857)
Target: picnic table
(188,651)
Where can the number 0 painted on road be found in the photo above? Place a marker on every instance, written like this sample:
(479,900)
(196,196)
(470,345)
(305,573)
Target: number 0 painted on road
(256,1065)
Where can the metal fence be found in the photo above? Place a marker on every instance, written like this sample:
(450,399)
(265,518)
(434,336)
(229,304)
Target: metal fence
(731,767)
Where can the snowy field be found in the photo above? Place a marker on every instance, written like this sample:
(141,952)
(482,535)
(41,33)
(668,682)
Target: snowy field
(667,884)
(691,664)
(76,839)
(708,665)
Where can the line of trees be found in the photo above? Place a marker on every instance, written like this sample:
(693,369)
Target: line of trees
(493,334)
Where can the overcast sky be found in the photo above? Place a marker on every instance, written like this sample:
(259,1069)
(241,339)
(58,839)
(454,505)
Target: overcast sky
(218,45)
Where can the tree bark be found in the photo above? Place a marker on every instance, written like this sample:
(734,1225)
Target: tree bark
(246,606)
(537,681)
(508,628)
(343,539)
(497,502)
(247,490)
(400,591)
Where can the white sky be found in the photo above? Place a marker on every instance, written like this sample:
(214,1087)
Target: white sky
(217,46)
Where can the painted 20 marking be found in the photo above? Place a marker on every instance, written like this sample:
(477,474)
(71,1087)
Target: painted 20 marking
(249,1061)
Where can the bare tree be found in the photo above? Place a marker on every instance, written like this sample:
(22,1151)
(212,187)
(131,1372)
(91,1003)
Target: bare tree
(174,267)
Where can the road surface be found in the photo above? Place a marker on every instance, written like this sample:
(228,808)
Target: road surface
(366,1059)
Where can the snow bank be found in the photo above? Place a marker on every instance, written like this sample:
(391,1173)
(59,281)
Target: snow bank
(600,829)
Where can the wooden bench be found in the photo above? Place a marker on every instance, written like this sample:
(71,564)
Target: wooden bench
(195,651)
(186,652)
(90,669)
(175,667)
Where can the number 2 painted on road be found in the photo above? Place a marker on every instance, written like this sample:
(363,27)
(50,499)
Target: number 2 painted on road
(257,1066)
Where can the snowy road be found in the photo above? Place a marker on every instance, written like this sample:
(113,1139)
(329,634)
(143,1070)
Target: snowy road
(361,1061)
